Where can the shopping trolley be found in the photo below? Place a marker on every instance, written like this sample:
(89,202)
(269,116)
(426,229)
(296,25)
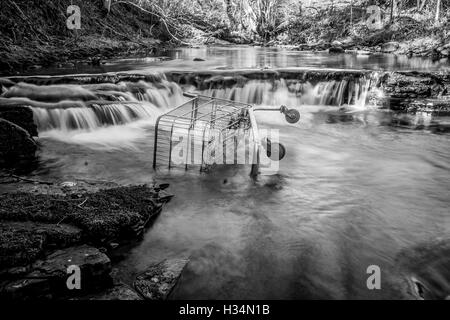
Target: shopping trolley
(207,131)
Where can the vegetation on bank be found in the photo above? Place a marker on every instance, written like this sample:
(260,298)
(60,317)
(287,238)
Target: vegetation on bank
(34,34)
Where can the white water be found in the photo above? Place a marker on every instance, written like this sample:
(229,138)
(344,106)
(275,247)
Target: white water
(144,102)
(295,93)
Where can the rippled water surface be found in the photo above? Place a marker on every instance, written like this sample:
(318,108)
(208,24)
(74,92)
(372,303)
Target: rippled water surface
(352,192)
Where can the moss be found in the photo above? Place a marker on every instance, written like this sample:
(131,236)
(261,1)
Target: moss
(104,215)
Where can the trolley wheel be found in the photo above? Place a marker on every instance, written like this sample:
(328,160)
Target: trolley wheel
(273,149)
(292,116)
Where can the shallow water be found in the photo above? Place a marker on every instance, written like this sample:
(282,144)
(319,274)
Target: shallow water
(254,57)
(352,192)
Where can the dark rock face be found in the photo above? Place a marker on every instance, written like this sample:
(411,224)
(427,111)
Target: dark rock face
(48,278)
(403,86)
(159,280)
(20,115)
(336,50)
(16,145)
(415,91)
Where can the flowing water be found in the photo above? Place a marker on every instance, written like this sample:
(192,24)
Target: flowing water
(355,189)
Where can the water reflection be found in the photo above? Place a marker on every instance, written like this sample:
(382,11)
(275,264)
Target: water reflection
(254,57)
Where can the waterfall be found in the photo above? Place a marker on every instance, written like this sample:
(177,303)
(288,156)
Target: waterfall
(296,93)
(112,104)
(91,104)
(93,117)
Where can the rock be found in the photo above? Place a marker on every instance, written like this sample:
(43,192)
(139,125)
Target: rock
(50,93)
(363,52)
(390,47)
(24,242)
(336,50)
(96,61)
(5,84)
(402,85)
(48,278)
(435,55)
(20,115)
(336,43)
(436,106)
(158,281)
(118,292)
(108,215)
(113,245)
(16,145)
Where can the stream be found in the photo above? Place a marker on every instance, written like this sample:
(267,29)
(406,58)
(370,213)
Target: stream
(354,190)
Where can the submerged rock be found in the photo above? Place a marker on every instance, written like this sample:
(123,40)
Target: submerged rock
(159,280)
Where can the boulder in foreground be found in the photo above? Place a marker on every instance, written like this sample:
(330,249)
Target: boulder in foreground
(159,280)
(48,278)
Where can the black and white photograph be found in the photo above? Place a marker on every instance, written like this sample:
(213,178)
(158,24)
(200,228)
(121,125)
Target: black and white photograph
(215,157)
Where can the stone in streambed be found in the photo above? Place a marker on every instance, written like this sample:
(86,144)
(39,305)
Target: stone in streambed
(336,50)
(48,278)
(159,280)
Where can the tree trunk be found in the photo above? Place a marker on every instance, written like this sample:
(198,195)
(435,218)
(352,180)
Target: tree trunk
(438,11)
(230,14)
(392,10)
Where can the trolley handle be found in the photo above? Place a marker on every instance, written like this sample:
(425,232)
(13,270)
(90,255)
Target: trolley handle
(291,115)
(190,95)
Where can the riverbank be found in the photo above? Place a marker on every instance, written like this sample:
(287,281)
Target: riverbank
(34,35)
(46,227)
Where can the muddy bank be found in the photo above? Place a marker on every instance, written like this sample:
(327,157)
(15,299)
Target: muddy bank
(47,227)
